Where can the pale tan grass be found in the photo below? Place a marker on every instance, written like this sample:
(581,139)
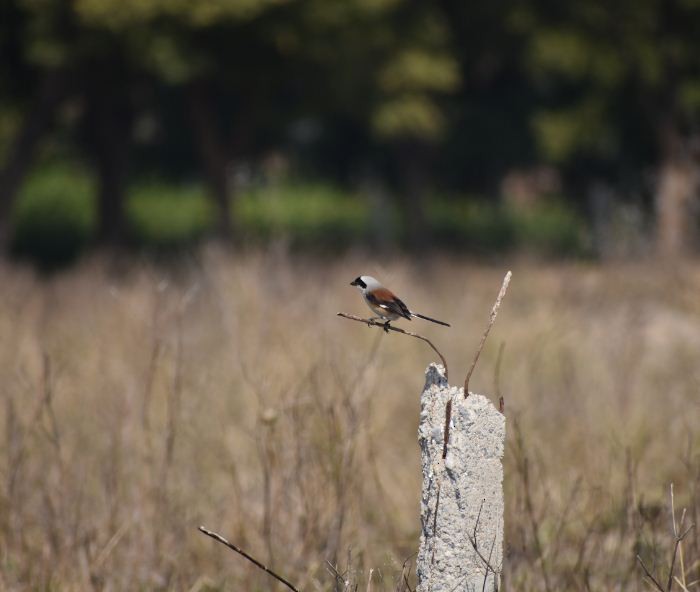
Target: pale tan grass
(229,394)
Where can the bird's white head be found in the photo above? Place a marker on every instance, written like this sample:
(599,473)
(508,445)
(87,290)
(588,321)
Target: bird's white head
(365,282)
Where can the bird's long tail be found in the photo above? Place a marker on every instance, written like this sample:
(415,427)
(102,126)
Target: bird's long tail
(420,316)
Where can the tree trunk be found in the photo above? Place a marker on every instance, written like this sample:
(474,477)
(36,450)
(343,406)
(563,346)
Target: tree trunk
(21,155)
(412,159)
(212,154)
(109,130)
(676,193)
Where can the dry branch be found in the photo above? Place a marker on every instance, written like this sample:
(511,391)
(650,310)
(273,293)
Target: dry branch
(446,429)
(649,575)
(677,550)
(267,570)
(388,327)
(473,542)
(492,320)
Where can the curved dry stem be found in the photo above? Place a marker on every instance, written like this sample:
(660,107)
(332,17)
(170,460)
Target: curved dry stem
(373,323)
(253,560)
(492,320)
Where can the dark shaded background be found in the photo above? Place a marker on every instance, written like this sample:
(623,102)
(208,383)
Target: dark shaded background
(564,127)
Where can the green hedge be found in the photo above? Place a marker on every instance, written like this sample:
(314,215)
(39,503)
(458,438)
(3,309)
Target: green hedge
(470,225)
(55,219)
(163,216)
(549,228)
(311,215)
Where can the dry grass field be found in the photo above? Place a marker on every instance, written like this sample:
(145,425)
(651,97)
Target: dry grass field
(137,404)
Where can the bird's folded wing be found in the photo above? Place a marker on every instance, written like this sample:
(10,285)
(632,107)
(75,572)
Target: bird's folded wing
(387,300)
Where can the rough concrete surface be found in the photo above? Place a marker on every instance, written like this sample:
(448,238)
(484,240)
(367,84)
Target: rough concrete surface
(466,488)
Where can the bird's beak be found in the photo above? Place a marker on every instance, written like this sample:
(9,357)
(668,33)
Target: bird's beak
(353,283)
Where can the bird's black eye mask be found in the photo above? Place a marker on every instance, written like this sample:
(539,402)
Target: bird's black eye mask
(358,282)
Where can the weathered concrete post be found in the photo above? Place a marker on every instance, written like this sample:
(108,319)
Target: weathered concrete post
(461,546)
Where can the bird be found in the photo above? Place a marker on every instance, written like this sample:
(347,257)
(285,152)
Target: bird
(385,304)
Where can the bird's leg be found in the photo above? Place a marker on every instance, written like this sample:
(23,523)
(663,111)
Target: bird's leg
(387,326)
(371,321)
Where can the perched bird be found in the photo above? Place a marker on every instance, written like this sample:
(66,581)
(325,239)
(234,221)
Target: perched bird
(384,303)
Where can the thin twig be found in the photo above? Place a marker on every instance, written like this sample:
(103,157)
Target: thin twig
(675,534)
(474,543)
(446,431)
(435,517)
(524,471)
(492,320)
(679,540)
(403,580)
(267,570)
(387,327)
(495,575)
(648,575)
(681,584)
(677,548)
(338,577)
(497,379)
(497,370)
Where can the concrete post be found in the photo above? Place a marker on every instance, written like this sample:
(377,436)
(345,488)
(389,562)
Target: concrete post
(461,546)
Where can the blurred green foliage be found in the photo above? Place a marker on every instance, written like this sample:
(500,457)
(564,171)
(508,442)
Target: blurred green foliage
(305,214)
(54,218)
(475,225)
(612,77)
(548,228)
(420,98)
(162,215)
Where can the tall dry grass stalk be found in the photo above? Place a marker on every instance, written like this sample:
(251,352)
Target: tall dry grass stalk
(135,407)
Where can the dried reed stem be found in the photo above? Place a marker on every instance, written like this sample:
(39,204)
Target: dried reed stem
(649,575)
(492,320)
(267,570)
(677,549)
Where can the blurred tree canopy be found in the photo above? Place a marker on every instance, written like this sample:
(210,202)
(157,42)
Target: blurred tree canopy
(621,94)
(421,97)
